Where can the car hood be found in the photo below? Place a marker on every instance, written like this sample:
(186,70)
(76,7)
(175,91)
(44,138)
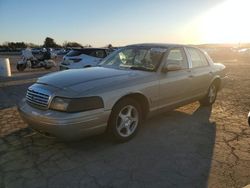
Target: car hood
(84,79)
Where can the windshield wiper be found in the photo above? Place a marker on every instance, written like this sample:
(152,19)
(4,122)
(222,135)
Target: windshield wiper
(140,68)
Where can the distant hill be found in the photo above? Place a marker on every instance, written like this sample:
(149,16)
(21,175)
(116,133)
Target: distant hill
(233,45)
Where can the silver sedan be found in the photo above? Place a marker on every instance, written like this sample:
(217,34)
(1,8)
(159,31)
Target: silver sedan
(127,86)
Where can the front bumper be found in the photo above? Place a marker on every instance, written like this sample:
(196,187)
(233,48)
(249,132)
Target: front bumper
(67,126)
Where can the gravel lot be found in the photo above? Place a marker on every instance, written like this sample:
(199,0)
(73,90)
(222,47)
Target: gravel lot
(191,146)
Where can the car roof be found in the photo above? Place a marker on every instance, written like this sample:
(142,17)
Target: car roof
(157,45)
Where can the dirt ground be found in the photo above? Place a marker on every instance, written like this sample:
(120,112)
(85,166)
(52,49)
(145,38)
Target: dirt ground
(191,146)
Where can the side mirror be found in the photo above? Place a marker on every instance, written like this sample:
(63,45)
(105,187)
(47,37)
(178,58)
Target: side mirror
(172,65)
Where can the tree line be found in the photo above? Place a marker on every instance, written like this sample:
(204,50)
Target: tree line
(48,43)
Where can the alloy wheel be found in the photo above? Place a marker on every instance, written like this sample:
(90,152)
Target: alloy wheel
(127,121)
(212,93)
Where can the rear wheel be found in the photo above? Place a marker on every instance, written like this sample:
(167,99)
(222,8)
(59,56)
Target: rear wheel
(125,120)
(48,64)
(210,98)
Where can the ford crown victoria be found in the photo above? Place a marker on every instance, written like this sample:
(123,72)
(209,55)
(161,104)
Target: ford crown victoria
(126,87)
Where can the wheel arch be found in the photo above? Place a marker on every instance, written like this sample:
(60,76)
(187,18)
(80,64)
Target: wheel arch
(138,97)
(217,81)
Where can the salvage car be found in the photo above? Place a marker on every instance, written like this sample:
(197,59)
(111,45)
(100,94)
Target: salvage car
(83,57)
(126,87)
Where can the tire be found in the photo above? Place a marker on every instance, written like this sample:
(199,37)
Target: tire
(87,66)
(49,64)
(125,120)
(211,95)
(47,67)
(21,67)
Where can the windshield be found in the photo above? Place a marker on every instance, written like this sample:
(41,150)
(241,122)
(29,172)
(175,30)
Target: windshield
(138,58)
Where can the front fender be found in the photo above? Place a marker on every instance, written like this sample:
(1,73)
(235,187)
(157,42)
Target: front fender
(110,100)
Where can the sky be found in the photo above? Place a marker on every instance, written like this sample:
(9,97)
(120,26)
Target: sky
(121,22)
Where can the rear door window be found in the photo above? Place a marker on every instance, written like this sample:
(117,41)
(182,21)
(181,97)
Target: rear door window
(198,59)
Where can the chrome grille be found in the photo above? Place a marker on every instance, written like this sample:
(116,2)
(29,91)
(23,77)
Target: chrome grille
(37,98)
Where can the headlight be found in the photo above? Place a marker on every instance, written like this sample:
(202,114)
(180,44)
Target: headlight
(60,104)
(76,104)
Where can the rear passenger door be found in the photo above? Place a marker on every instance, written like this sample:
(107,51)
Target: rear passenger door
(201,71)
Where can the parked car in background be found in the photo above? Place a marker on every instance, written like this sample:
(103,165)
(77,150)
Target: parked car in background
(126,87)
(60,51)
(36,51)
(43,59)
(84,57)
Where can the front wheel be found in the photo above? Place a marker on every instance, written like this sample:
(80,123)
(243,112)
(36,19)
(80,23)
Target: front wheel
(210,98)
(47,67)
(125,120)
(21,67)
(49,64)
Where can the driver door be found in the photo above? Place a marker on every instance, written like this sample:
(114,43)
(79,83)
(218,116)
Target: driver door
(175,84)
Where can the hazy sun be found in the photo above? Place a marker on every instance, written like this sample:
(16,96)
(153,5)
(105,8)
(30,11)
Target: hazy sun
(228,22)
